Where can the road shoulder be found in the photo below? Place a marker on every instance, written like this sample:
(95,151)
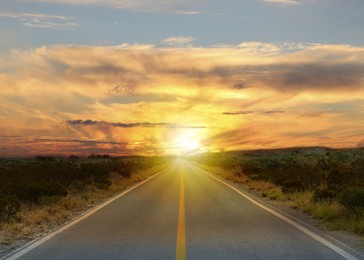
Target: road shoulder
(349,242)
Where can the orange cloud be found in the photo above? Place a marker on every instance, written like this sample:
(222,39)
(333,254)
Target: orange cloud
(254,95)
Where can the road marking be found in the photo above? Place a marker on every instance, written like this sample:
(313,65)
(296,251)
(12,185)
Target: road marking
(318,238)
(181,231)
(37,242)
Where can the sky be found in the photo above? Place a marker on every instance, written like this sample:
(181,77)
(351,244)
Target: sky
(161,77)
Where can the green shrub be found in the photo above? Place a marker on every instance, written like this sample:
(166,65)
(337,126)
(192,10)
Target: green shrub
(323,194)
(326,194)
(77,186)
(9,206)
(101,182)
(292,186)
(33,191)
(352,198)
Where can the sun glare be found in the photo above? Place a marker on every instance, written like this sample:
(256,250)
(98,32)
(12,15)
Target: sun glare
(186,141)
(188,144)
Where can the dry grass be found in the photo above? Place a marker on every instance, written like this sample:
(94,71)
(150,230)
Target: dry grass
(35,219)
(231,175)
(334,215)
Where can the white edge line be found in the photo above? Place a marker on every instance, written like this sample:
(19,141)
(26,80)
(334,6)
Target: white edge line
(37,242)
(318,238)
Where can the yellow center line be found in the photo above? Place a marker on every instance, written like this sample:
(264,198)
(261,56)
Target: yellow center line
(181,231)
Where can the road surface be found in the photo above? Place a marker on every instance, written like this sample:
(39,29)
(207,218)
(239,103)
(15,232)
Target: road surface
(183,213)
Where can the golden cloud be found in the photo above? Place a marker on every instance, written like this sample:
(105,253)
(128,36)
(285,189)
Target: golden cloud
(306,93)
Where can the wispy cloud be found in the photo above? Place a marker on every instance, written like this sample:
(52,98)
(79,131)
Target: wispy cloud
(156,6)
(46,21)
(180,40)
(260,47)
(238,113)
(19,146)
(89,122)
(188,12)
(253,112)
(282,1)
(148,96)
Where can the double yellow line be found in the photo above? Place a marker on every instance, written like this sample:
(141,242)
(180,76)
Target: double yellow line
(181,231)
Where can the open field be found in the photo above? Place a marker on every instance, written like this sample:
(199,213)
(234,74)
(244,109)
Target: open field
(40,194)
(327,183)
(187,213)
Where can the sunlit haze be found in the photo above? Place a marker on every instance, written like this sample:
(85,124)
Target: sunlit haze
(176,77)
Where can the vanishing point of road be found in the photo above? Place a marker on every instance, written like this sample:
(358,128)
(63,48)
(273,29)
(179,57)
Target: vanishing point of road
(185,213)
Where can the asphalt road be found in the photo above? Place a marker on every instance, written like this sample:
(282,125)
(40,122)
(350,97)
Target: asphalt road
(183,213)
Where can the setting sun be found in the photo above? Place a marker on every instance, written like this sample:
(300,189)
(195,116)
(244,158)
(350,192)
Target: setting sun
(186,141)
(188,144)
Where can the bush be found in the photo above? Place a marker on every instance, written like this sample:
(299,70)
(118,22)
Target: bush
(323,194)
(326,194)
(93,169)
(32,192)
(292,186)
(9,206)
(77,186)
(101,182)
(352,198)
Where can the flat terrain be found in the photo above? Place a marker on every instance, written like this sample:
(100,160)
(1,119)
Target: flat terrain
(185,213)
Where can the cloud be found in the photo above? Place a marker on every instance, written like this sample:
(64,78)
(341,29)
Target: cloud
(235,138)
(274,112)
(46,21)
(315,68)
(125,88)
(89,122)
(181,40)
(147,97)
(76,141)
(260,47)
(282,1)
(239,85)
(238,113)
(320,75)
(158,6)
(253,112)
(20,146)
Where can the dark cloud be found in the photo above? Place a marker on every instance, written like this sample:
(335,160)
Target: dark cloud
(293,76)
(79,141)
(89,122)
(239,85)
(22,139)
(20,146)
(274,112)
(238,113)
(253,112)
(290,74)
(130,99)
(316,76)
(125,88)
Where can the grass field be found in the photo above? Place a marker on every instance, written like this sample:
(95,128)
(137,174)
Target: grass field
(42,193)
(327,183)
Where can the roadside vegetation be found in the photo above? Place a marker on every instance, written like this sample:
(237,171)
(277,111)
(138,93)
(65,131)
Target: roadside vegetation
(42,193)
(326,183)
